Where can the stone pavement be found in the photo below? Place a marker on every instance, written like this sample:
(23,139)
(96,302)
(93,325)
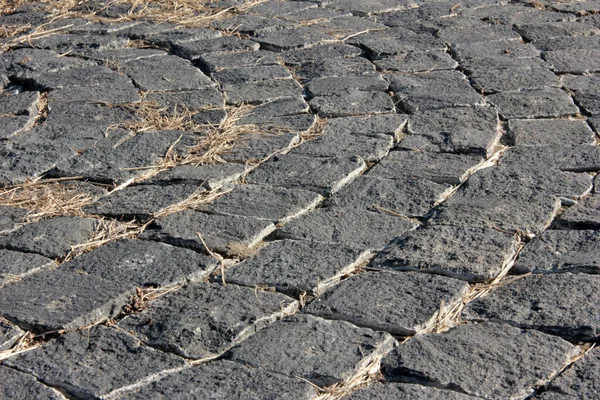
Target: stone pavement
(324,199)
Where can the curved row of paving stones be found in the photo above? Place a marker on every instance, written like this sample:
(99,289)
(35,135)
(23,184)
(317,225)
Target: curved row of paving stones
(376,179)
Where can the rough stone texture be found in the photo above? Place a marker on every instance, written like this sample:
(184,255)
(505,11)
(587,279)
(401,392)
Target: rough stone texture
(347,226)
(549,132)
(313,348)
(485,360)
(210,176)
(11,218)
(319,52)
(99,357)
(14,265)
(277,204)
(221,233)
(550,102)
(260,146)
(290,39)
(261,91)
(388,391)
(573,61)
(351,103)
(514,79)
(322,175)
(472,254)
(416,61)
(226,380)
(370,148)
(585,89)
(206,319)
(336,84)
(374,125)
(9,334)
(52,238)
(337,67)
(454,130)
(580,381)
(18,385)
(560,304)
(582,158)
(585,214)
(561,251)
(398,303)
(296,266)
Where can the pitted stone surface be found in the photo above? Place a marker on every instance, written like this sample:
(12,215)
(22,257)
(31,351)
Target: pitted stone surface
(17,385)
(99,355)
(398,303)
(206,319)
(580,381)
(260,146)
(472,254)
(14,265)
(585,214)
(549,132)
(353,102)
(548,103)
(484,360)
(301,344)
(9,334)
(388,391)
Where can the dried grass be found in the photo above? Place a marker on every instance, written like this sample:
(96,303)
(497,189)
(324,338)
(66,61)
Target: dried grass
(366,375)
(141,298)
(25,343)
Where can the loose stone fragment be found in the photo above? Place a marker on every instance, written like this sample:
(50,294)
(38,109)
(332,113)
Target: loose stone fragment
(9,334)
(138,263)
(550,102)
(295,267)
(52,238)
(18,385)
(290,39)
(373,125)
(98,358)
(227,380)
(386,391)
(275,203)
(347,226)
(472,254)
(143,201)
(433,90)
(513,79)
(222,233)
(398,303)
(549,132)
(261,91)
(351,103)
(483,360)
(436,167)
(322,175)
(408,197)
(584,215)
(559,304)
(580,380)
(257,147)
(206,319)
(561,251)
(416,61)
(370,148)
(322,351)
(15,265)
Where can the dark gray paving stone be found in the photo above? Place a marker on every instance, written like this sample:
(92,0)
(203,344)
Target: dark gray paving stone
(251,24)
(32,63)
(316,14)
(581,9)
(18,385)
(398,303)
(295,267)
(585,214)
(217,61)
(241,75)
(206,319)
(265,202)
(561,251)
(336,67)
(14,265)
(417,61)
(436,167)
(484,360)
(117,56)
(580,381)
(113,93)
(11,126)
(257,147)
(180,35)
(226,380)
(322,175)
(595,123)
(11,218)
(361,8)
(221,233)
(62,299)
(352,103)
(52,238)
(138,263)
(378,47)
(390,391)
(265,113)
(514,79)
(290,39)
(347,226)
(76,43)
(195,49)
(497,55)
(535,32)
(550,102)
(345,26)
(262,91)
(300,123)
(9,334)
(573,61)
(24,103)
(370,148)
(190,99)
(568,43)
(559,304)
(166,73)
(500,200)
(324,352)
(142,201)
(210,176)
(90,77)
(585,90)
(433,90)
(319,52)
(582,158)
(334,85)
(98,357)
(489,33)
(549,132)
(373,125)
(273,8)
(472,254)
(408,197)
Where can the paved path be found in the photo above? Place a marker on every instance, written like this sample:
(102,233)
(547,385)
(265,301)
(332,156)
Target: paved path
(382,199)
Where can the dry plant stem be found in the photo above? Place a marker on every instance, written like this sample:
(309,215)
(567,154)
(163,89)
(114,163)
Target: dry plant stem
(363,377)
(25,343)
(216,256)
